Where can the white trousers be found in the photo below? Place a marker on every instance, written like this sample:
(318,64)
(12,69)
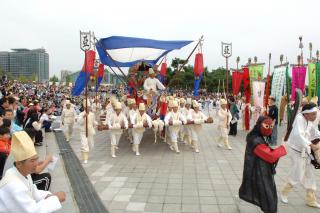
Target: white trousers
(68,129)
(302,170)
(137,137)
(87,143)
(115,138)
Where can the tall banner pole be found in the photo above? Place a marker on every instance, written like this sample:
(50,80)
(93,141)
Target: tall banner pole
(267,88)
(85,45)
(226,51)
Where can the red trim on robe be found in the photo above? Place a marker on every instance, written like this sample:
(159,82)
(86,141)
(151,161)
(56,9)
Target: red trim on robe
(269,155)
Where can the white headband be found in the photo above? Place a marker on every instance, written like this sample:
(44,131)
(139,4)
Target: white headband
(314,109)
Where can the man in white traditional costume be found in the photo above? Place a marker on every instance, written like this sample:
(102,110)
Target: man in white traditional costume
(139,121)
(116,123)
(187,129)
(300,146)
(198,119)
(174,120)
(18,194)
(152,84)
(87,142)
(96,108)
(68,118)
(224,118)
(130,112)
(182,110)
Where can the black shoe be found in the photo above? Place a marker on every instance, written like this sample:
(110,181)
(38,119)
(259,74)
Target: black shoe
(48,130)
(38,144)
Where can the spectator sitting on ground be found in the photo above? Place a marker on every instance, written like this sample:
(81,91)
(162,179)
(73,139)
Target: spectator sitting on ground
(45,120)
(5,144)
(8,114)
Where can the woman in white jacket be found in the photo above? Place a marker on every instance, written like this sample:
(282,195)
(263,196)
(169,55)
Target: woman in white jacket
(198,118)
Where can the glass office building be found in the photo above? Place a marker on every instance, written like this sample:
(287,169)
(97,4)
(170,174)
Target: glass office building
(27,63)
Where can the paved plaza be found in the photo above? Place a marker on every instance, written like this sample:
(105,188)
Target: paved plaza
(162,181)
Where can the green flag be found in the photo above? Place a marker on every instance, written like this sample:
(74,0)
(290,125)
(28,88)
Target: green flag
(255,73)
(312,87)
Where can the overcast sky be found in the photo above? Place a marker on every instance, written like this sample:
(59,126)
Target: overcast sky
(255,28)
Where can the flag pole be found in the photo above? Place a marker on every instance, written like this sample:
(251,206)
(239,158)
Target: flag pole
(267,88)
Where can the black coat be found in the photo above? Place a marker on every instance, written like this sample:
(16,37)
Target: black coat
(258,186)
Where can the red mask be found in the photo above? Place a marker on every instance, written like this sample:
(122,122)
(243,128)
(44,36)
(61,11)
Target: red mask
(266,127)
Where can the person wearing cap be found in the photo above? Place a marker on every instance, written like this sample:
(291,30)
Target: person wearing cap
(198,119)
(182,110)
(17,192)
(152,84)
(116,123)
(173,121)
(131,111)
(187,129)
(68,117)
(224,118)
(299,149)
(87,142)
(139,121)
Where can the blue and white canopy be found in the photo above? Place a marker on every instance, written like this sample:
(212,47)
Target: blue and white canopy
(128,51)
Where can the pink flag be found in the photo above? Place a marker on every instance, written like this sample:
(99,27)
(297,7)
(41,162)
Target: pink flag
(298,80)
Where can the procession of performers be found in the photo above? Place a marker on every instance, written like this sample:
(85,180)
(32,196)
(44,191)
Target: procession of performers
(176,118)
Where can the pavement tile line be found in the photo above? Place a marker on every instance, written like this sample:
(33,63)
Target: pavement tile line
(85,195)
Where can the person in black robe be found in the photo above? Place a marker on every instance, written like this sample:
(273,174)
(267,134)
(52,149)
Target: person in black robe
(258,186)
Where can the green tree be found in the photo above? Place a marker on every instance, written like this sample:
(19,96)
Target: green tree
(22,78)
(54,79)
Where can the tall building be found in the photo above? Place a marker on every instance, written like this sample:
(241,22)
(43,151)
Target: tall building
(27,63)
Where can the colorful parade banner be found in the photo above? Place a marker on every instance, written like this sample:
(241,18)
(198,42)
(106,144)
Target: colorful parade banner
(278,83)
(298,80)
(99,76)
(318,81)
(256,74)
(237,77)
(198,70)
(312,86)
(258,88)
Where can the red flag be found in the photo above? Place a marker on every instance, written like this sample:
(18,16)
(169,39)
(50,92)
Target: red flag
(198,65)
(236,81)
(100,71)
(163,70)
(89,62)
(267,93)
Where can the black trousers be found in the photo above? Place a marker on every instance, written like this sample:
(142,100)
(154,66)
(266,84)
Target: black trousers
(3,158)
(37,135)
(233,128)
(42,181)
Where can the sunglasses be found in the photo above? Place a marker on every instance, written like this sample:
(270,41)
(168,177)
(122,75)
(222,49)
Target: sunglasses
(267,126)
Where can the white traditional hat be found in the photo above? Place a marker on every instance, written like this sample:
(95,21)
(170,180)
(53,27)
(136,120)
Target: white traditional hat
(170,104)
(223,102)
(118,105)
(314,100)
(195,104)
(175,104)
(31,104)
(182,101)
(22,147)
(142,107)
(151,71)
(68,102)
(130,101)
(124,98)
(188,101)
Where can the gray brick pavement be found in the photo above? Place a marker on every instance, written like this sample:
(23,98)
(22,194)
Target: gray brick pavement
(162,181)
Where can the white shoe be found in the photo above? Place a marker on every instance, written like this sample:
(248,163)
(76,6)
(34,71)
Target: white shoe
(85,161)
(197,151)
(316,205)
(113,156)
(137,153)
(229,148)
(171,147)
(220,145)
(178,151)
(284,199)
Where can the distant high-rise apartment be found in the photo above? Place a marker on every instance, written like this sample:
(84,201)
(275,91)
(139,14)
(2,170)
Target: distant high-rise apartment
(27,63)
